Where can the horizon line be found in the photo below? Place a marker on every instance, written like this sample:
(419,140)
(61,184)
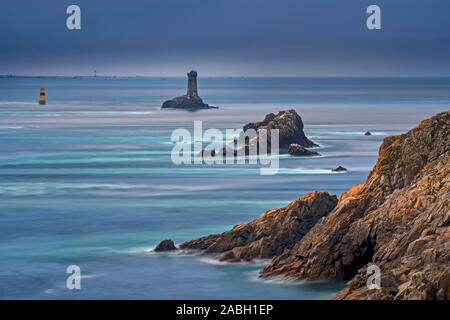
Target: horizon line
(221,76)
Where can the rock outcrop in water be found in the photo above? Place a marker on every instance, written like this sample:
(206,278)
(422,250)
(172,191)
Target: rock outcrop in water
(398,220)
(165,245)
(299,151)
(191,101)
(292,139)
(290,126)
(339,169)
(187,103)
(269,235)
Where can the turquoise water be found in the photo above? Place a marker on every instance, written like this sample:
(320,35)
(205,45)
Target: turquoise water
(88,180)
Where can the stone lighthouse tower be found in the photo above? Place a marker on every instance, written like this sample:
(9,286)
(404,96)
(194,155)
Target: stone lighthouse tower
(190,101)
(192,85)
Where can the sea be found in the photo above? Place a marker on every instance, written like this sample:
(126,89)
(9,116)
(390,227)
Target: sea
(88,179)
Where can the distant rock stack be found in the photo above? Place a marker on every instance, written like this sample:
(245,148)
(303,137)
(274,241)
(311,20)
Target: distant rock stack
(191,101)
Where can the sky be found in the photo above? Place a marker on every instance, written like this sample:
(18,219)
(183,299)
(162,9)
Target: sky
(226,38)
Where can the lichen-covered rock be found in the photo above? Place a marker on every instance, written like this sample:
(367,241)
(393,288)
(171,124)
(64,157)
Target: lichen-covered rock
(399,220)
(269,235)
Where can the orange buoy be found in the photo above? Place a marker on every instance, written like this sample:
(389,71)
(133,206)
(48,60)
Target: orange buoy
(42,99)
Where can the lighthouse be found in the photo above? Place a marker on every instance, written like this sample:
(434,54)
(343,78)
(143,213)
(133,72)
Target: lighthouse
(42,99)
(192,85)
(191,100)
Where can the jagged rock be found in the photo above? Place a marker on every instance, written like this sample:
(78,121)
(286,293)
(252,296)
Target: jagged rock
(339,169)
(368,133)
(165,245)
(399,220)
(202,243)
(298,150)
(269,235)
(290,126)
(292,139)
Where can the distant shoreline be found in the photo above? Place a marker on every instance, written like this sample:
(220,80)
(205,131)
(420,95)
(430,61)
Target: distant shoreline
(12,76)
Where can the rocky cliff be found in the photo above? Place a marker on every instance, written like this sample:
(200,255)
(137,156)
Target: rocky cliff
(398,220)
(269,235)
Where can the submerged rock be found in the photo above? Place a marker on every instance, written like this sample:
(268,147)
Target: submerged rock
(188,103)
(297,150)
(165,245)
(339,169)
(270,234)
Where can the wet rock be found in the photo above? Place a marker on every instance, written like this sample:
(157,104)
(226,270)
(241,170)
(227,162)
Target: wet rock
(368,133)
(339,169)
(297,150)
(165,245)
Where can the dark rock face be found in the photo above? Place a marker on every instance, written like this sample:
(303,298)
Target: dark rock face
(165,245)
(269,235)
(339,169)
(290,126)
(187,103)
(399,220)
(298,150)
